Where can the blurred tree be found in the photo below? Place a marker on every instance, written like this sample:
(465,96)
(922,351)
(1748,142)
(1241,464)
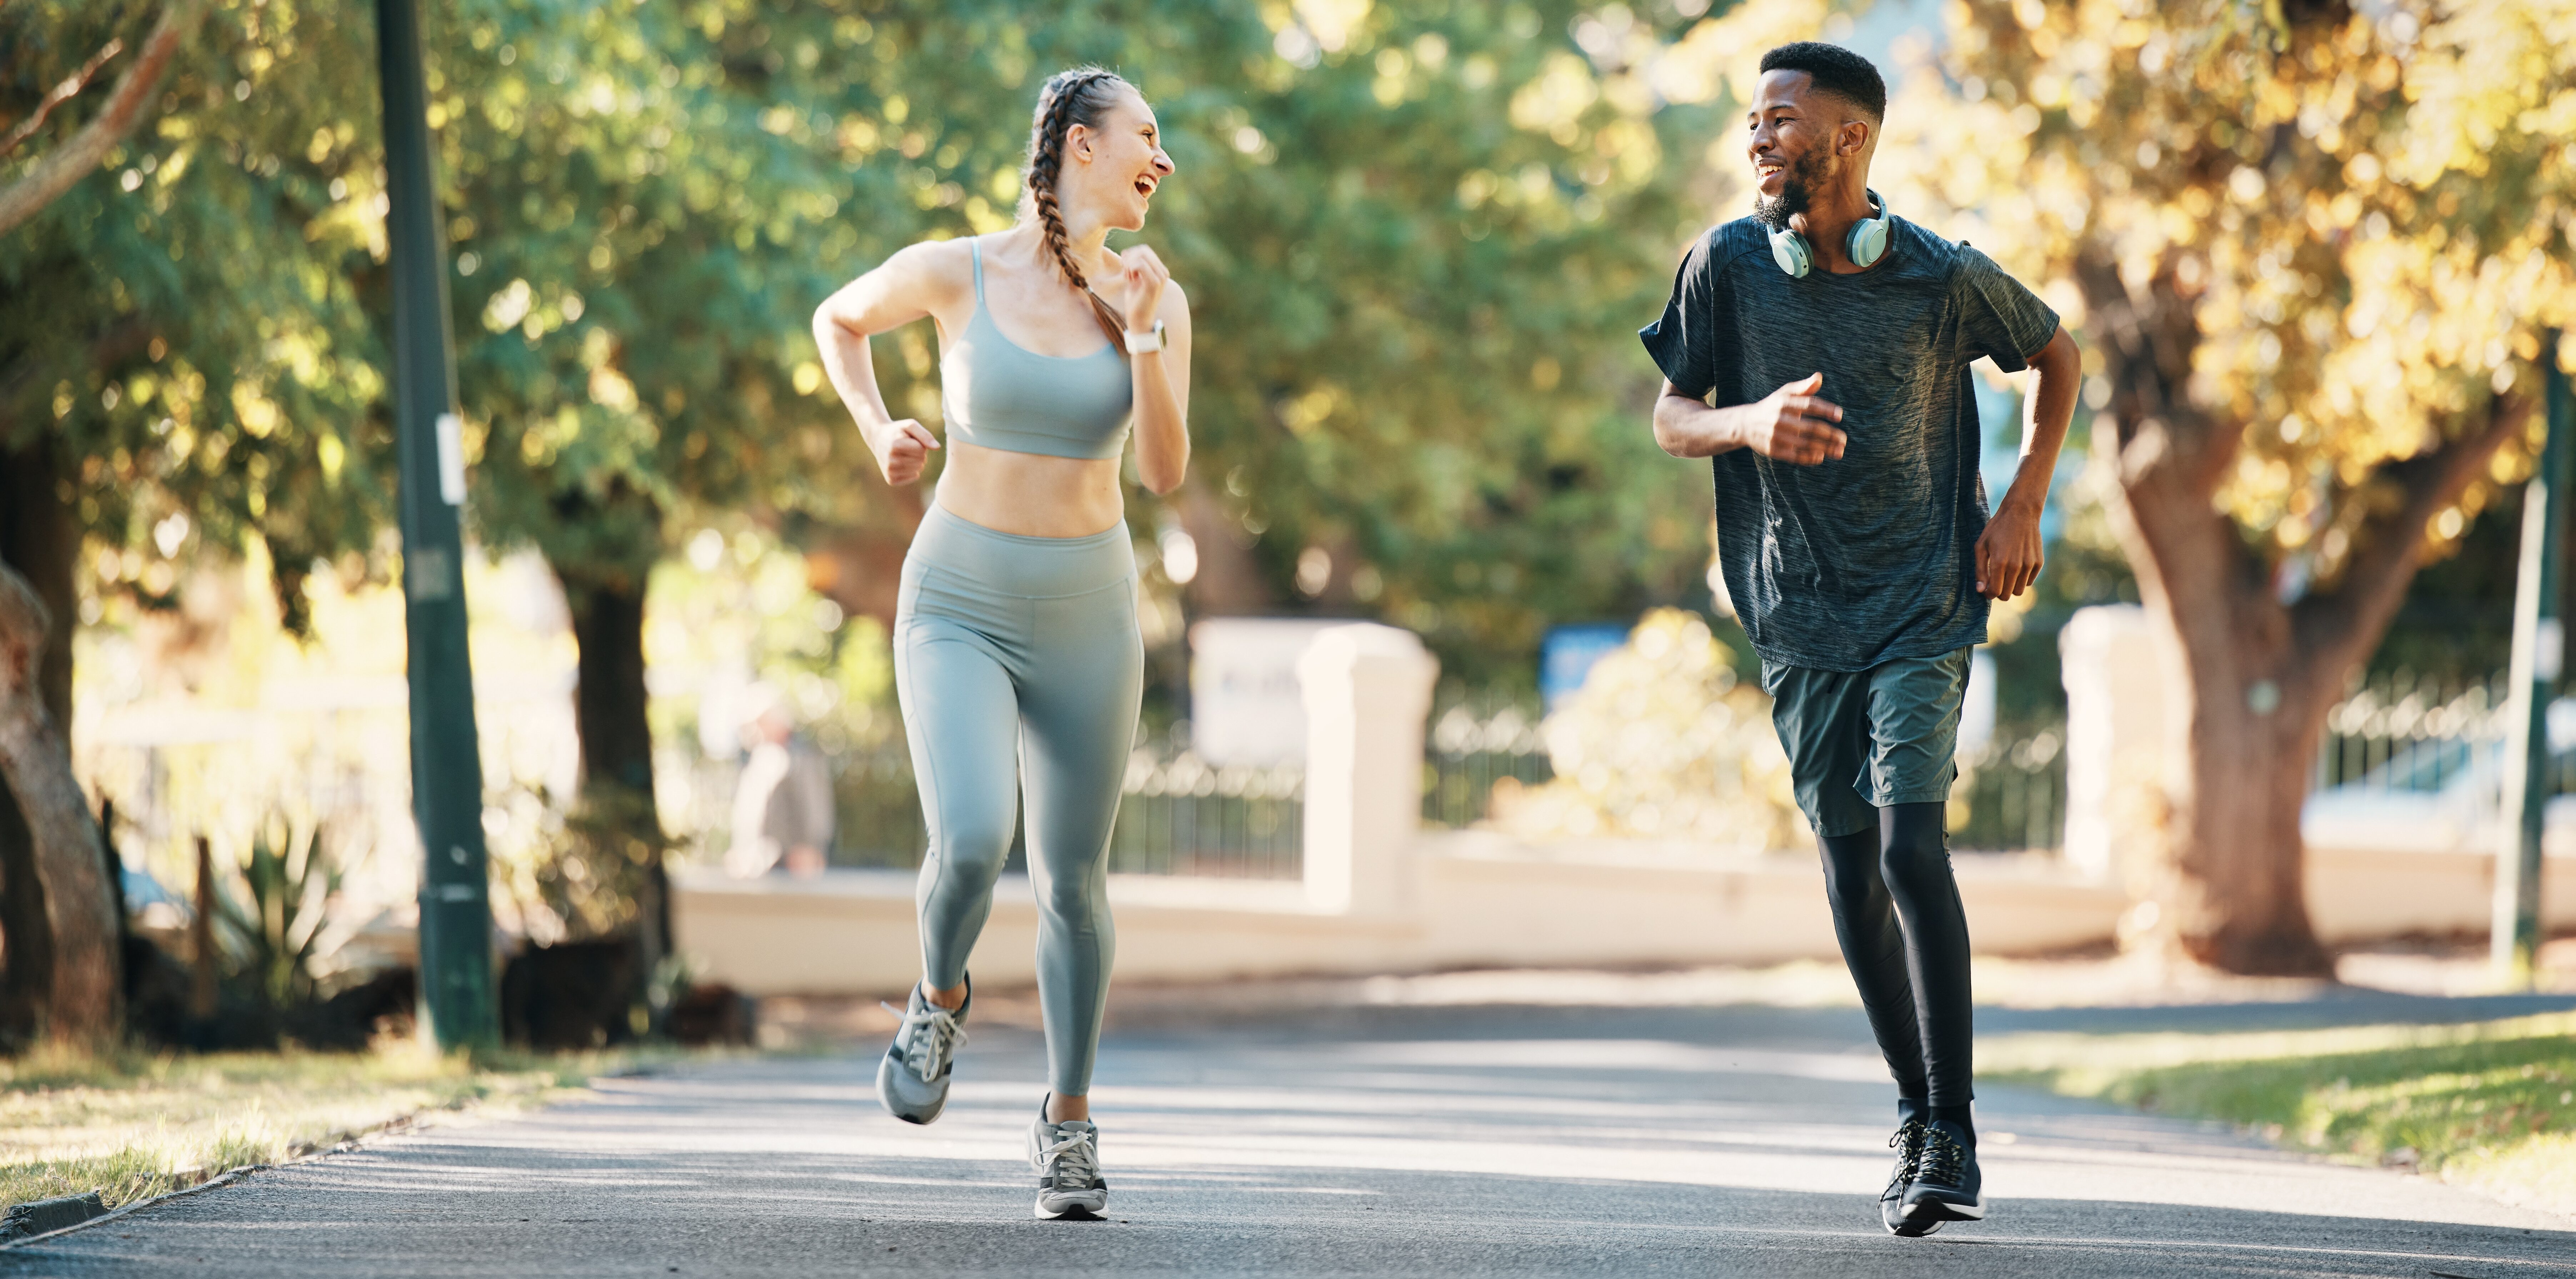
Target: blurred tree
(1425,421)
(622,231)
(54,133)
(124,106)
(2314,249)
(1418,237)
(83,1002)
(1420,234)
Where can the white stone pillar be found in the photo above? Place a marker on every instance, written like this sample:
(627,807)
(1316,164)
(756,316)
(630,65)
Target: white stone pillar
(2115,714)
(1368,692)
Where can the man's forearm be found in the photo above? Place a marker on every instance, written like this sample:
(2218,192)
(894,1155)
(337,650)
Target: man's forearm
(2057,371)
(1685,427)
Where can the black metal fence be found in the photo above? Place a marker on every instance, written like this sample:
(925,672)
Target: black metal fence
(2395,731)
(877,812)
(2402,732)
(2014,790)
(1184,816)
(1180,815)
(1474,740)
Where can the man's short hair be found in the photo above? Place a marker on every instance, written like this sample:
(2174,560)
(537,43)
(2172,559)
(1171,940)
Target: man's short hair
(1834,69)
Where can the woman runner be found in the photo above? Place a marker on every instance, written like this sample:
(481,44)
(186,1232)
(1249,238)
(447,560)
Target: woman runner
(1017,659)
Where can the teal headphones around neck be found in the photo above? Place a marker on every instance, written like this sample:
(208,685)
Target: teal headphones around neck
(1866,244)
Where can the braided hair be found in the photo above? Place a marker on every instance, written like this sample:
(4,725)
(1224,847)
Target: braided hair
(1079,96)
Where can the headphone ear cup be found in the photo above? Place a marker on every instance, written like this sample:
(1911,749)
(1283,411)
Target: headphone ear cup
(1789,249)
(1868,240)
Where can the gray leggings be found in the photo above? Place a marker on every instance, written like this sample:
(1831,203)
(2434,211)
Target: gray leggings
(1019,667)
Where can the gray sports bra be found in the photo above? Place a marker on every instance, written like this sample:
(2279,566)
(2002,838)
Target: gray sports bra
(1000,395)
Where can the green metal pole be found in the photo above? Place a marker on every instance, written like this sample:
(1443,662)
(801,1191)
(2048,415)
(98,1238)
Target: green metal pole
(2539,651)
(446,770)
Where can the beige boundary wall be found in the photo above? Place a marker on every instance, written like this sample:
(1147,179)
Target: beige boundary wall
(1495,903)
(1382,896)
(2367,894)
(1488,903)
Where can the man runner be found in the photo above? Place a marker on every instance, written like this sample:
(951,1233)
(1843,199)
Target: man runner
(1833,340)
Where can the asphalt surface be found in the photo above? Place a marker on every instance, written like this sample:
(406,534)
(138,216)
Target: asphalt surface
(1454,1141)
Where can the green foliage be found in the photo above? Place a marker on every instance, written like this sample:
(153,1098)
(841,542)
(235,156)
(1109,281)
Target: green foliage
(1418,237)
(576,872)
(1662,742)
(290,881)
(629,246)
(189,326)
(2364,212)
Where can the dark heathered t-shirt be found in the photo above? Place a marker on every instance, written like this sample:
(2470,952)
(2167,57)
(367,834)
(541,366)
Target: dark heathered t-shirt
(1871,556)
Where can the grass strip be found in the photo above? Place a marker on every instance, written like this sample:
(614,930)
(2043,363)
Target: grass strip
(134,1125)
(2490,1105)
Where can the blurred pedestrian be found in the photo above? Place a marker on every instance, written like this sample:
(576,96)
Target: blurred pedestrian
(1017,658)
(1857,548)
(782,807)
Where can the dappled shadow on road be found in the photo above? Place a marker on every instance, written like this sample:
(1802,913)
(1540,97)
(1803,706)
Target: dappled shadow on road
(827,1215)
(1449,1142)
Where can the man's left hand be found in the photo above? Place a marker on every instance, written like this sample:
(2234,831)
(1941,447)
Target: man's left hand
(2009,554)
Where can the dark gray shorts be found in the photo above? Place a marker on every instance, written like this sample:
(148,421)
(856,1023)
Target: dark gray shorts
(1859,741)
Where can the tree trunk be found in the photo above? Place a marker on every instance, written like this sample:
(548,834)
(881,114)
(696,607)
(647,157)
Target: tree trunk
(2241,734)
(2250,678)
(39,539)
(84,1008)
(2252,708)
(616,740)
(1229,581)
(861,568)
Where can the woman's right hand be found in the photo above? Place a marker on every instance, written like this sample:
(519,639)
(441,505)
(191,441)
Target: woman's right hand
(903,449)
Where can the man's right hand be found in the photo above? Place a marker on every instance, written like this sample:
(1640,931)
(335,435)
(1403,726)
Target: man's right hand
(902,450)
(1794,424)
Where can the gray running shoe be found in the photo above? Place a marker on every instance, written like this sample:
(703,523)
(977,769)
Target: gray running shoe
(912,1080)
(1067,1157)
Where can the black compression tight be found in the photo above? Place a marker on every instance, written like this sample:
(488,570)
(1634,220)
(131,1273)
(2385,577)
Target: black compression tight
(1905,936)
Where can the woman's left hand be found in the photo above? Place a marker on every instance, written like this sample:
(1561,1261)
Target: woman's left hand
(1146,276)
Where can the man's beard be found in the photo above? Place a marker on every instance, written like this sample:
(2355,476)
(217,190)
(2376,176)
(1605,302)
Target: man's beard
(1797,188)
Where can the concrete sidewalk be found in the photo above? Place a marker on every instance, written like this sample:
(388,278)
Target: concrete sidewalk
(1450,1141)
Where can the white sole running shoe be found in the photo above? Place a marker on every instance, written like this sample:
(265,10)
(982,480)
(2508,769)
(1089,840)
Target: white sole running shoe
(1948,1185)
(1908,1144)
(1067,1157)
(912,1078)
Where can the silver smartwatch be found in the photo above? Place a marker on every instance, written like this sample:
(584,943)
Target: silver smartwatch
(1145,343)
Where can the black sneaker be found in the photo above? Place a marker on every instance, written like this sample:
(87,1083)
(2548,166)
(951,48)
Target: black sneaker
(1908,1144)
(1947,1185)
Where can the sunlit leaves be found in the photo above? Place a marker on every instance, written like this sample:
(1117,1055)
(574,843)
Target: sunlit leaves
(188,326)
(2370,214)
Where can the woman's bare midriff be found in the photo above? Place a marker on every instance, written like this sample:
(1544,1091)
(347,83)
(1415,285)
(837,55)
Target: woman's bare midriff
(1030,494)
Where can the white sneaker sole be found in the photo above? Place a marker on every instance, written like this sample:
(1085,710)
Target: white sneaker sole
(895,1105)
(1943,1210)
(1074,1206)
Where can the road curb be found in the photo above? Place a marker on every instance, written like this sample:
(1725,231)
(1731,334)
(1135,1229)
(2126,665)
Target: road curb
(343,1144)
(139,1204)
(43,1216)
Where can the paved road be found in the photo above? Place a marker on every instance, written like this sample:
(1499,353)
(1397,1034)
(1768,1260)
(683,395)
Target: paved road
(1458,1141)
